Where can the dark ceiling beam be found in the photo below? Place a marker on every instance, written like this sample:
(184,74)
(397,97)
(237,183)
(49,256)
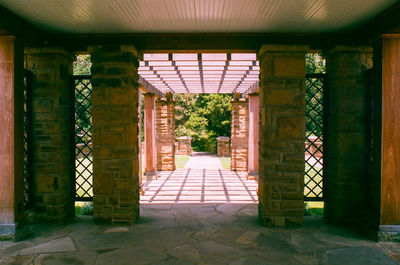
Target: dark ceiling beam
(12,24)
(164,42)
(386,22)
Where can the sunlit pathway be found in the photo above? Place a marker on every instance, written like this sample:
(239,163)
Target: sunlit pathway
(200,186)
(203,162)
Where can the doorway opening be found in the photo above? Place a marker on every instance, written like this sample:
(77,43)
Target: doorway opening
(201,88)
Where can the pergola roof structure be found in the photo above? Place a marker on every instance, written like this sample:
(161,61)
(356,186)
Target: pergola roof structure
(200,72)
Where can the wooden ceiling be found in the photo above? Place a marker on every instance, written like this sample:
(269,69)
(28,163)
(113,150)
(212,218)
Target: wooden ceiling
(196,16)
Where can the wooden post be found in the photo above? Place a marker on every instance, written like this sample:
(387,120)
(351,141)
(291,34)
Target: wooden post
(385,194)
(11,138)
(150,133)
(254,113)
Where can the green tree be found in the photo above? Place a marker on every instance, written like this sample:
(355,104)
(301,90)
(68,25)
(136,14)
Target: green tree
(202,117)
(82,65)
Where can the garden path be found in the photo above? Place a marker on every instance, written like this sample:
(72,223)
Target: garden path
(200,160)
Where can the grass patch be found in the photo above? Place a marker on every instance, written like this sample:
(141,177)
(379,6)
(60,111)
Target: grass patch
(314,208)
(83,208)
(180,161)
(226,162)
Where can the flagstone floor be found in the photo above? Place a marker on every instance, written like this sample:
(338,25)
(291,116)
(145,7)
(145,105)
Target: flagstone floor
(197,216)
(196,233)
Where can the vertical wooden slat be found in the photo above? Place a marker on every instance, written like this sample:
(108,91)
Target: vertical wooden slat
(390,181)
(11,132)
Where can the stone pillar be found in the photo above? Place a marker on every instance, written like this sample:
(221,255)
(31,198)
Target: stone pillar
(11,138)
(346,142)
(165,139)
(282,126)
(115,134)
(384,198)
(184,146)
(254,128)
(150,133)
(239,134)
(223,146)
(53,165)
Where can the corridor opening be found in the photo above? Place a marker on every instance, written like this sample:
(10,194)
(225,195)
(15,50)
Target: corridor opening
(189,76)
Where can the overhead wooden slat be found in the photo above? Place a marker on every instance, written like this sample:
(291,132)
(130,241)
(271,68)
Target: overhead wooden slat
(200,73)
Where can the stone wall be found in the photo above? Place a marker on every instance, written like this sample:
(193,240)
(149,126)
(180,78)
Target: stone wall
(346,145)
(239,134)
(165,118)
(115,134)
(282,130)
(52,149)
(223,146)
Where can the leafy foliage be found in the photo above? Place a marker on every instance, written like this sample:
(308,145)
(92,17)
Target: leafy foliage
(315,63)
(82,65)
(202,117)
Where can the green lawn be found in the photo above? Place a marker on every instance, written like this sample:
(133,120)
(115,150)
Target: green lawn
(226,162)
(180,161)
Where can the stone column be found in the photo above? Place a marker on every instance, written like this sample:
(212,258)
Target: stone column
(282,126)
(184,146)
(165,139)
(53,165)
(384,196)
(239,134)
(254,128)
(223,146)
(346,142)
(11,138)
(150,133)
(115,134)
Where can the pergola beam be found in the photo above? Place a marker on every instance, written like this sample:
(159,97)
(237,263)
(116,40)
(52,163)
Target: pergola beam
(198,42)
(149,87)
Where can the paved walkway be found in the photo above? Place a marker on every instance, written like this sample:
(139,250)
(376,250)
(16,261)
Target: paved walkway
(203,161)
(200,186)
(181,234)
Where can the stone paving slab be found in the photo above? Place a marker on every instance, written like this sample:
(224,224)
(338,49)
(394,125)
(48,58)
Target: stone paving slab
(200,186)
(197,233)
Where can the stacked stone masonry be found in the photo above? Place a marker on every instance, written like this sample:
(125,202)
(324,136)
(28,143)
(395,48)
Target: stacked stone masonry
(165,139)
(223,146)
(282,126)
(184,146)
(53,152)
(115,134)
(346,140)
(239,134)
